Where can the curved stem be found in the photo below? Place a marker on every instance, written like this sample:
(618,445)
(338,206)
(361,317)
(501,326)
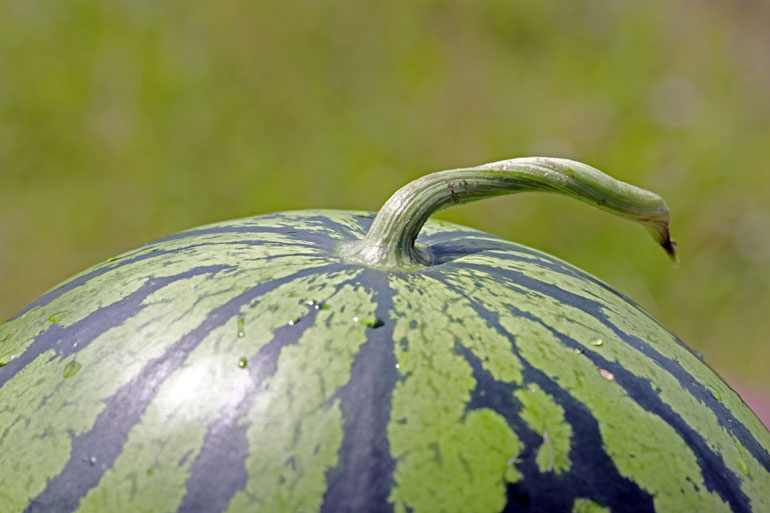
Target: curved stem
(390,240)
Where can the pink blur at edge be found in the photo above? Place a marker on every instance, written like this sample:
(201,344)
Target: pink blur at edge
(757,399)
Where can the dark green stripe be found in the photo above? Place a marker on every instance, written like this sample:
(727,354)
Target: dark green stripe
(151,251)
(716,476)
(138,255)
(319,238)
(327,223)
(670,365)
(218,470)
(105,440)
(593,474)
(76,337)
(362,478)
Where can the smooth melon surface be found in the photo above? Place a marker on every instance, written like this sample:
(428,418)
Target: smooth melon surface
(243,367)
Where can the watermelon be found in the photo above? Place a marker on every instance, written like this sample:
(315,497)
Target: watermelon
(334,361)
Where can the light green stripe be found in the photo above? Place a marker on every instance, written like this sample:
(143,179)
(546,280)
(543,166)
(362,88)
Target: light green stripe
(40,410)
(296,426)
(546,418)
(297,220)
(210,381)
(118,283)
(626,317)
(447,459)
(588,506)
(636,440)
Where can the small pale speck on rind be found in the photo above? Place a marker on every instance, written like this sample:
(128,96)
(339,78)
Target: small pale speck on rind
(606,374)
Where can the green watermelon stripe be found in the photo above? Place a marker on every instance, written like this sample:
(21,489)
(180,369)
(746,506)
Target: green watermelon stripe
(586,450)
(94,324)
(74,305)
(619,311)
(448,459)
(541,413)
(115,420)
(139,255)
(504,250)
(354,482)
(573,404)
(586,453)
(341,227)
(218,470)
(629,383)
(689,407)
(296,426)
(501,249)
(184,394)
(669,365)
(314,234)
(717,476)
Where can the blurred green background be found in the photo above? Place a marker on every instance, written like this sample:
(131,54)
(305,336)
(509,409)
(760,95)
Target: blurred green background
(125,121)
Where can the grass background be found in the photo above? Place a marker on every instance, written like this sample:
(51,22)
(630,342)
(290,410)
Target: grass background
(124,121)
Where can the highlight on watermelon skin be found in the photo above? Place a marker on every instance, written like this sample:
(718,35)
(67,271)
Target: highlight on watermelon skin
(251,365)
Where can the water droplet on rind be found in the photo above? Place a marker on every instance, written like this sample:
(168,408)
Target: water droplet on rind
(715,392)
(317,305)
(57,316)
(72,368)
(243,362)
(6,359)
(147,252)
(241,333)
(369,321)
(598,342)
(740,460)
(606,374)
(149,471)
